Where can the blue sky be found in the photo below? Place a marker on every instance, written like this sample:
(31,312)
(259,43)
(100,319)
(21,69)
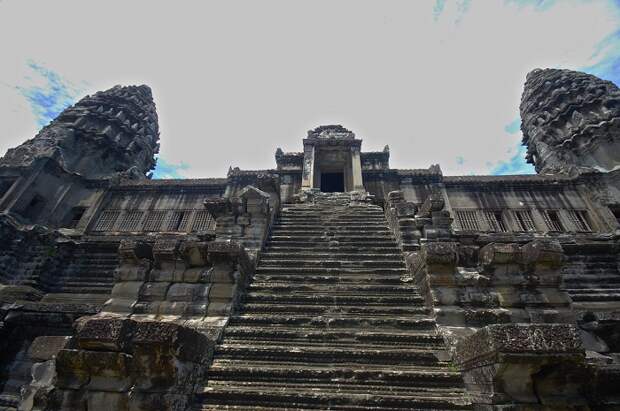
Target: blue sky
(439,81)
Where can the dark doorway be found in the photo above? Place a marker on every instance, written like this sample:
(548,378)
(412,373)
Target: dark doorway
(332,182)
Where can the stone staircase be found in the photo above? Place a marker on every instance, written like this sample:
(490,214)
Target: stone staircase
(592,279)
(87,278)
(328,323)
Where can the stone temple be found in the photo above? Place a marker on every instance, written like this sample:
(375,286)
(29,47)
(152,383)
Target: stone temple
(330,282)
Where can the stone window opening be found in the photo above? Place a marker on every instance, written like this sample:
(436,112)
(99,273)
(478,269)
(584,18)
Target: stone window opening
(496,221)
(154,220)
(580,220)
(203,221)
(35,206)
(468,220)
(131,221)
(74,217)
(552,220)
(179,220)
(525,220)
(107,220)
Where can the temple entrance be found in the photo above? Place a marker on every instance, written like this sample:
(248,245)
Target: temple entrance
(332,182)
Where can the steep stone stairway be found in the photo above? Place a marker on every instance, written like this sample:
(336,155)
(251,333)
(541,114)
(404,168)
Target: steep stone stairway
(593,279)
(87,277)
(327,323)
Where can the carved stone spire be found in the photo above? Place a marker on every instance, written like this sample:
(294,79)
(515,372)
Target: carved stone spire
(570,122)
(111,132)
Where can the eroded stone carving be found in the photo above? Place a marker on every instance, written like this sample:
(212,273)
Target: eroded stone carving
(570,122)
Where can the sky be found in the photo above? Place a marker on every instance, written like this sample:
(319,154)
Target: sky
(438,81)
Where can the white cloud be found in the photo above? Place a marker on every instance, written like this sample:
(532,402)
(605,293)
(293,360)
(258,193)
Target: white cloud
(234,80)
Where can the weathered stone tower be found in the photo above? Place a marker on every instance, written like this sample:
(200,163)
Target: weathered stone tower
(329,282)
(571,122)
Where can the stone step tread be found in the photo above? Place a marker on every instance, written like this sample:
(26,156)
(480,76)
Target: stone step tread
(343,387)
(330,270)
(386,323)
(332,398)
(334,288)
(336,255)
(350,298)
(325,310)
(332,278)
(73,298)
(271,262)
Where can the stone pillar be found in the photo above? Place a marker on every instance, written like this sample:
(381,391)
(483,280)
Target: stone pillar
(307,177)
(356,169)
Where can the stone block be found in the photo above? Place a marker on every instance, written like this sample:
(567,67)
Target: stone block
(105,334)
(194,253)
(222,291)
(434,202)
(109,371)
(222,272)
(195,275)
(72,372)
(543,255)
(440,253)
(45,348)
(524,364)
(154,291)
(173,308)
(12,293)
(154,401)
(185,343)
(128,289)
(105,401)
(219,308)
(494,254)
(119,305)
(187,292)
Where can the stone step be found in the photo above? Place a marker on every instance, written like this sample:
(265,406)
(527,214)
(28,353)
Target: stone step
(587,289)
(580,279)
(353,377)
(341,225)
(331,263)
(336,255)
(359,354)
(357,239)
(76,298)
(334,289)
(332,397)
(334,321)
(354,278)
(348,310)
(328,270)
(326,248)
(335,299)
(82,289)
(596,297)
(335,337)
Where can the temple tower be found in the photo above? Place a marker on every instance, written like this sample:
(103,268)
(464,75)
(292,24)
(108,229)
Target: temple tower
(112,131)
(570,122)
